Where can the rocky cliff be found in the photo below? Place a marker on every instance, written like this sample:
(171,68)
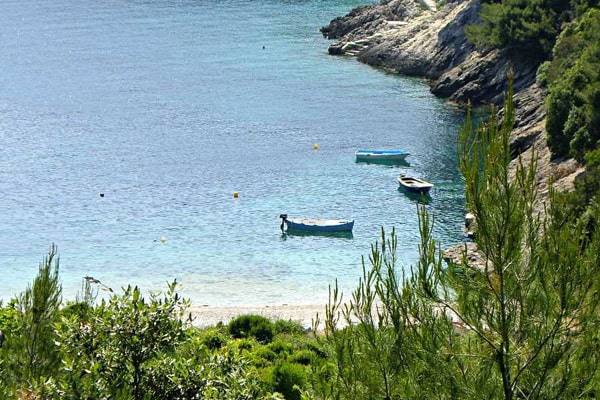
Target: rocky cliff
(425,39)
(410,38)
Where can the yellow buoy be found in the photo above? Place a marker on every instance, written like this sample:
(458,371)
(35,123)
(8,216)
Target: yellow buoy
(236,195)
(316,146)
(163,239)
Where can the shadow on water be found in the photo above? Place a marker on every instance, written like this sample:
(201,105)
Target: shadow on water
(416,197)
(389,163)
(291,233)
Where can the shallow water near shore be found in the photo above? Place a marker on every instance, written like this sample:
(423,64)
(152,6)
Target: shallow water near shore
(126,128)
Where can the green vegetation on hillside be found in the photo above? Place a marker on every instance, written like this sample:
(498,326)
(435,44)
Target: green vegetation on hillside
(527,27)
(573,81)
(564,36)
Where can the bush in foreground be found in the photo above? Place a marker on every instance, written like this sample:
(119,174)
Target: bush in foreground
(255,326)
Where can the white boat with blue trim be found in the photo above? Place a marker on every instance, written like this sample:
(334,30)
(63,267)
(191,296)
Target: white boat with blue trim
(381,155)
(316,225)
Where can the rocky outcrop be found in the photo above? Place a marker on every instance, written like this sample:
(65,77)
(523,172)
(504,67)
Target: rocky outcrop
(406,37)
(412,37)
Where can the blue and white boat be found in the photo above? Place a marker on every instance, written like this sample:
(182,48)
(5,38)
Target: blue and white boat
(316,225)
(381,155)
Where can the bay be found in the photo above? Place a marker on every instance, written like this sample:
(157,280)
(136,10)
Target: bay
(167,108)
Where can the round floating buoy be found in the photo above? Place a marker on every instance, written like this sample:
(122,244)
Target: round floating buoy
(101,194)
(163,239)
(316,146)
(236,195)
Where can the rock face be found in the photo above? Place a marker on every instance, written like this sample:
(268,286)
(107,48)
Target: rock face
(413,37)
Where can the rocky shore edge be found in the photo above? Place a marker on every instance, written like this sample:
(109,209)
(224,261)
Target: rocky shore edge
(422,38)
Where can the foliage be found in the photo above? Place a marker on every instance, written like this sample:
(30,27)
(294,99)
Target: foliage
(584,199)
(29,353)
(388,337)
(523,325)
(256,326)
(130,347)
(529,27)
(573,77)
(287,326)
(280,346)
(303,357)
(536,289)
(288,378)
(9,319)
(114,345)
(214,339)
(220,374)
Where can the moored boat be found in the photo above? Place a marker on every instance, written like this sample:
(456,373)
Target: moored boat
(381,155)
(316,225)
(414,185)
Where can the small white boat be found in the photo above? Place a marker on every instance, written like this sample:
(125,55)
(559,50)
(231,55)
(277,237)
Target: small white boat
(316,225)
(414,185)
(381,155)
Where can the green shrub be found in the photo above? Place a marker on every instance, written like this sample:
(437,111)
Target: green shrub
(288,379)
(281,347)
(9,319)
(317,349)
(78,309)
(303,357)
(541,76)
(288,327)
(573,79)
(528,28)
(245,344)
(263,353)
(256,326)
(592,159)
(558,103)
(214,339)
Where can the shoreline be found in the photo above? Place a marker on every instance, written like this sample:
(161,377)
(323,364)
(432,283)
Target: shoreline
(206,316)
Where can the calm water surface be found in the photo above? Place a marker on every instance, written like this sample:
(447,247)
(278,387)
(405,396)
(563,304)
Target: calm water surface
(168,108)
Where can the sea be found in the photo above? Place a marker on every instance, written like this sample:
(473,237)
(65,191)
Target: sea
(154,141)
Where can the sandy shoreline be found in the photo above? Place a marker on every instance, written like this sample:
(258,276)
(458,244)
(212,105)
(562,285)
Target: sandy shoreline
(207,315)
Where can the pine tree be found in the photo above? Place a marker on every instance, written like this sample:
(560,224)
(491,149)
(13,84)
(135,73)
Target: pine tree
(522,325)
(34,350)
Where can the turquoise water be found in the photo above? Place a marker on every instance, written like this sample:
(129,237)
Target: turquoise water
(168,108)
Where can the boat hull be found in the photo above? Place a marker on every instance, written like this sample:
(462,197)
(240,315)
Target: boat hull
(381,155)
(319,225)
(416,190)
(414,185)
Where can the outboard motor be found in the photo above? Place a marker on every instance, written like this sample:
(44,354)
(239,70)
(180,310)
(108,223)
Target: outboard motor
(283,218)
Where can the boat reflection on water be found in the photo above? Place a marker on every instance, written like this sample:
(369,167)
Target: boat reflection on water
(416,197)
(389,163)
(291,233)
